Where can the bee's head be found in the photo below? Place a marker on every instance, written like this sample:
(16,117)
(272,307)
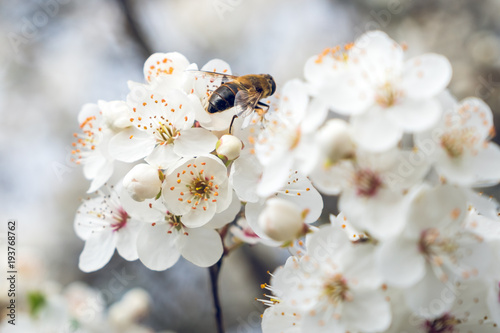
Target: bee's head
(272,84)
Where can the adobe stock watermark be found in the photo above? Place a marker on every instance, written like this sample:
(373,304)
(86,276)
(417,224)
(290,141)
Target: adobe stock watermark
(30,26)
(486,87)
(222,7)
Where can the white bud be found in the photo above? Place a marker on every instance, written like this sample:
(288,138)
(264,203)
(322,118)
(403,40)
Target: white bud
(229,147)
(116,114)
(281,220)
(334,138)
(142,182)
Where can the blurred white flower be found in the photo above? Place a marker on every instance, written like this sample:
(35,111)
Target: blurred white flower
(329,288)
(385,94)
(459,146)
(434,250)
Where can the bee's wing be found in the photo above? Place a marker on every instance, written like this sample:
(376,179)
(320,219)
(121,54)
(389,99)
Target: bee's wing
(245,102)
(213,76)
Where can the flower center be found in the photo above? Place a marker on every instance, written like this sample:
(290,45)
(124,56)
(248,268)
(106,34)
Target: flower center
(175,223)
(166,134)
(367,183)
(336,289)
(444,324)
(456,140)
(120,218)
(387,95)
(431,244)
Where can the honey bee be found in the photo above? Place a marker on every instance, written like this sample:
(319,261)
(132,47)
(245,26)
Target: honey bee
(242,92)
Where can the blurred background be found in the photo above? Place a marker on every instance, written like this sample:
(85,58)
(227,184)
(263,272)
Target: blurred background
(56,55)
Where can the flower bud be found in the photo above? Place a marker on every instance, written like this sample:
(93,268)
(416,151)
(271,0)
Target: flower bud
(334,139)
(281,220)
(228,147)
(142,182)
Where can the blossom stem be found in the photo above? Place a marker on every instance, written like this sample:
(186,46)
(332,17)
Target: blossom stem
(214,279)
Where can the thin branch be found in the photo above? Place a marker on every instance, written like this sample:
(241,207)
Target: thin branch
(133,28)
(214,279)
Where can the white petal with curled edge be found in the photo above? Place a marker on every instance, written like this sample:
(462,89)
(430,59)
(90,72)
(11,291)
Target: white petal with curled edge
(281,318)
(195,142)
(415,115)
(163,64)
(426,76)
(198,217)
(126,240)
(201,246)
(101,177)
(430,297)
(156,247)
(218,121)
(400,262)
(226,216)
(374,307)
(218,66)
(131,145)
(245,175)
(163,157)
(374,132)
(98,250)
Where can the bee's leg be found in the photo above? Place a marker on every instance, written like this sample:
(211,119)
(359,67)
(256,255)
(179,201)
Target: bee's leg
(231,125)
(261,105)
(259,108)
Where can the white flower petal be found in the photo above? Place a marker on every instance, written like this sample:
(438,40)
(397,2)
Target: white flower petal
(126,240)
(101,177)
(400,262)
(156,247)
(98,250)
(245,175)
(195,142)
(274,176)
(415,115)
(163,156)
(374,132)
(281,318)
(218,66)
(426,76)
(375,310)
(131,145)
(430,298)
(164,64)
(198,217)
(201,246)
(226,216)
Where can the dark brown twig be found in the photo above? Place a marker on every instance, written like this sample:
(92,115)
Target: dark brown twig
(214,279)
(133,28)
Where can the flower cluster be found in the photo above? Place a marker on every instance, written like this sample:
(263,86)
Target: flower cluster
(415,248)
